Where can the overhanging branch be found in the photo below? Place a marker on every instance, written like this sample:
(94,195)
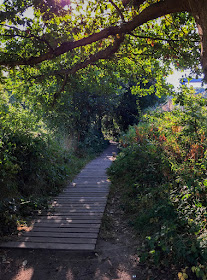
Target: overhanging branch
(118,10)
(103,54)
(152,12)
(162,39)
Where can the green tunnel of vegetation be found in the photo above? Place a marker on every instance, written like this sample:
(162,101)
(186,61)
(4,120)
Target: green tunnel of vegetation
(43,146)
(76,74)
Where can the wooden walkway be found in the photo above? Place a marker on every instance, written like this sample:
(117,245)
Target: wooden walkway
(74,219)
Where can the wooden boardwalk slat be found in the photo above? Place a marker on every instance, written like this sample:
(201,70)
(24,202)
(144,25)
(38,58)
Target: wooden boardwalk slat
(67,225)
(73,211)
(60,234)
(96,205)
(73,203)
(67,221)
(62,240)
(80,200)
(65,230)
(73,216)
(73,219)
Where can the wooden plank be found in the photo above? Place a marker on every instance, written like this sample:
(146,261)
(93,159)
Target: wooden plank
(65,229)
(80,195)
(65,209)
(75,210)
(67,225)
(69,218)
(75,195)
(82,199)
(92,173)
(54,246)
(86,205)
(69,214)
(67,221)
(60,234)
(87,187)
(73,215)
(64,219)
(62,240)
(76,203)
(91,181)
(83,207)
(95,205)
(86,192)
(74,200)
(91,184)
(85,183)
(83,188)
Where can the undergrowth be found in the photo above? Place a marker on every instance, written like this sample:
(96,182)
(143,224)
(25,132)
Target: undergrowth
(161,173)
(33,165)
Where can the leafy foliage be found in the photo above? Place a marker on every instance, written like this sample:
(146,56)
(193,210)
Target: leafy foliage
(34,166)
(52,40)
(162,173)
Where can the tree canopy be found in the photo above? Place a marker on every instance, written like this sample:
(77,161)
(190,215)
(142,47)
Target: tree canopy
(59,37)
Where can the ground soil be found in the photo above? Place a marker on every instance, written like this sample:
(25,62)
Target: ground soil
(116,256)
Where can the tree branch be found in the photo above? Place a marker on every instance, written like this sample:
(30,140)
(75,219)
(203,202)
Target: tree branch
(103,54)
(24,36)
(162,39)
(152,12)
(57,94)
(118,10)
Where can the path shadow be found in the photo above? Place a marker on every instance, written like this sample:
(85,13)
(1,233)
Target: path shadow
(111,261)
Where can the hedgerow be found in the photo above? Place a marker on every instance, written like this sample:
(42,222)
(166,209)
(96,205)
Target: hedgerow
(161,172)
(33,165)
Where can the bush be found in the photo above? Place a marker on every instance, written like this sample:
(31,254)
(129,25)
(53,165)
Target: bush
(162,172)
(33,165)
(93,142)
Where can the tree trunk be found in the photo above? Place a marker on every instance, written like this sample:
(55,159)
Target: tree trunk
(198,8)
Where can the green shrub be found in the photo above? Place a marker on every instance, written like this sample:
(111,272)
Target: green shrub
(161,171)
(33,165)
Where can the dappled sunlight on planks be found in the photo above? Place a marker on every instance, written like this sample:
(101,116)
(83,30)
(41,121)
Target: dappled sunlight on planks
(73,219)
